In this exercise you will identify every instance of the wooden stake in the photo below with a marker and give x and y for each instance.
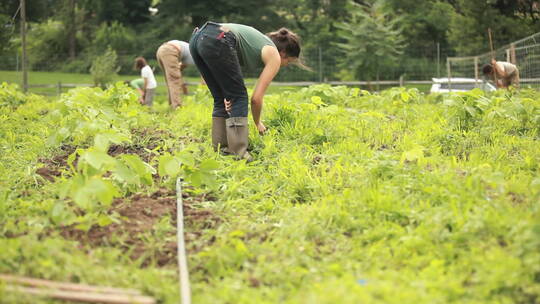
(64, 286)
(73, 292)
(492, 57)
(87, 297)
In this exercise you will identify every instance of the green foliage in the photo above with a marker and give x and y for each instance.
(120, 39)
(104, 68)
(46, 43)
(468, 28)
(10, 96)
(352, 196)
(424, 23)
(372, 39)
(183, 164)
(458, 27)
(5, 34)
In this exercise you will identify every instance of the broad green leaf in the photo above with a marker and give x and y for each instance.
(169, 166)
(209, 165)
(104, 220)
(412, 155)
(142, 169)
(186, 158)
(124, 174)
(196, 178)
(97, 159)
(102, 189)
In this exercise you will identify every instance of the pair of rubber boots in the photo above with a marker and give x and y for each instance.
(230, 135)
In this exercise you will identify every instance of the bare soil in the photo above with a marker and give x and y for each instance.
(137, 233)
(139, 215)
(54, 166)
(145, 148)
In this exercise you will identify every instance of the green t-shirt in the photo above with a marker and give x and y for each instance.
(137, 83)
(250, 43)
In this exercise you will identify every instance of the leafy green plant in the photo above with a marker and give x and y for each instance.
(104, 68)
(352, 196)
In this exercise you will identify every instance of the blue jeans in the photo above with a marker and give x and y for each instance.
(214, 53)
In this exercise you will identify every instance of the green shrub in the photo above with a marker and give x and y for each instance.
(104, 68)
(120, 39)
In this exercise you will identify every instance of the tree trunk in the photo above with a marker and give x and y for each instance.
(72, 30)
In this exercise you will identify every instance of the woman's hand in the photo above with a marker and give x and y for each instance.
(261, 128)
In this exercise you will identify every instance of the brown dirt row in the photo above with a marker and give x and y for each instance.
(139, 214)
(136, 233)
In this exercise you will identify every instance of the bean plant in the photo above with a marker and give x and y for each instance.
(352, 196)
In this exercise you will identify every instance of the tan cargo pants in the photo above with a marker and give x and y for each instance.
(167, 55)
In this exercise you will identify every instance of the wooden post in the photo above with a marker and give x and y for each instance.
(23, 41)
(401, 83)
(493, 57)
(320, 66)
(449, 74)
(513, 59)
(59, 88)
(72, 30)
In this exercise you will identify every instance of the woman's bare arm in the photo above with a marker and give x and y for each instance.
(272, 62)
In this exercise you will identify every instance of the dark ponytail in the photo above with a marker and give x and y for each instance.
(286, 41)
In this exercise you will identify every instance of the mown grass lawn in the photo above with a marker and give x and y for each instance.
(53, 78)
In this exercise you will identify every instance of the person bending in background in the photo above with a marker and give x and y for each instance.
(173, 57)
(220, 51)
(138, 85)
(150, 83)
(504, 72)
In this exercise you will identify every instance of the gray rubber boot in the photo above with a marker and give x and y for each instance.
(237, 137)
(219, 134)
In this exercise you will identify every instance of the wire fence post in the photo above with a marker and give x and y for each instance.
(320, 66)
(449, 76)
(523, 52)
(476, 68)
(59, 88)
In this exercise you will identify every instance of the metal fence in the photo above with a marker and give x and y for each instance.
(427, 62)
(524, 53)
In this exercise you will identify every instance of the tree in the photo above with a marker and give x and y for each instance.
(425, 24)
(468, 27)
(314, 21)
(372, 39)
(127, 12)
(36, 10)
